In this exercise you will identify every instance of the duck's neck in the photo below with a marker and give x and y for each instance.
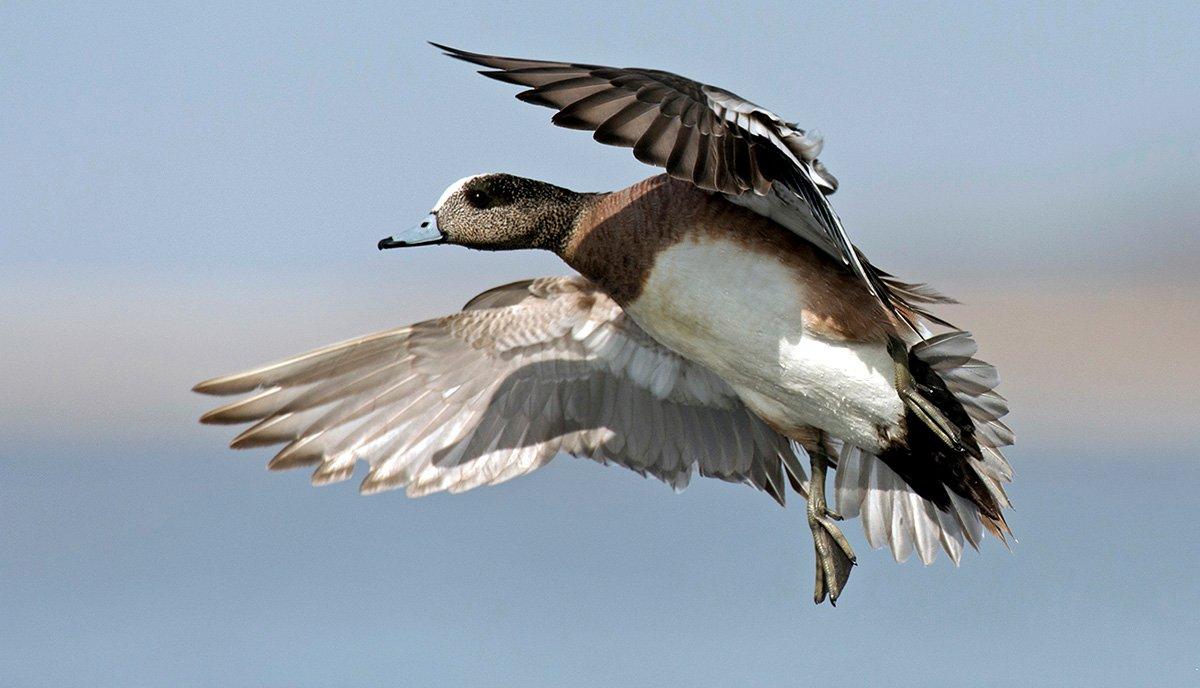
(560, 221)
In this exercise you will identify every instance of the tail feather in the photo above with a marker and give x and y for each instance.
(973, 383)
(932, 494)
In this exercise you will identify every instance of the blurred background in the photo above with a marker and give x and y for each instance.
(188, 191)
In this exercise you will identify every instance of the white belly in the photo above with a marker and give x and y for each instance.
(739, 314)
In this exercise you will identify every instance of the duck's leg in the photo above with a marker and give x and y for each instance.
(834, 557)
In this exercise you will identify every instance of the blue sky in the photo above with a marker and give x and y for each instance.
(188, 191)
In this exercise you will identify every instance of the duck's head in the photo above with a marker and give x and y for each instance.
(496, 212)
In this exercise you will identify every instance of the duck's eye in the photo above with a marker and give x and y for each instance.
(477, 198)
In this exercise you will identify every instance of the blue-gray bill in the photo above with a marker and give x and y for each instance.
(423, 234)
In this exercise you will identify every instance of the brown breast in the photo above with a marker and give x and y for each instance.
(616, 241)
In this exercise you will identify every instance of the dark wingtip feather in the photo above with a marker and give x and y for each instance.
(500, 75)
(452, 52)
(494, 61)
(464, 55)
(534, 97)
(569, 120)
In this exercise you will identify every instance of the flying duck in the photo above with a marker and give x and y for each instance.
(721, 321)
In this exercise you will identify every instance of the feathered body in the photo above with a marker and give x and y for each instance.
(794, 333)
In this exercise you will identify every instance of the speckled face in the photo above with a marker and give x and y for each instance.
(500, 212)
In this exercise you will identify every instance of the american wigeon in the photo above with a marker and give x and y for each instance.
(722, 318)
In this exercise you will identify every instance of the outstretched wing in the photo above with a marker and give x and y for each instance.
(702, 134)
(495, 391)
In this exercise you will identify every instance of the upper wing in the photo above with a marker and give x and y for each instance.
(701, 134)
(495, 391)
